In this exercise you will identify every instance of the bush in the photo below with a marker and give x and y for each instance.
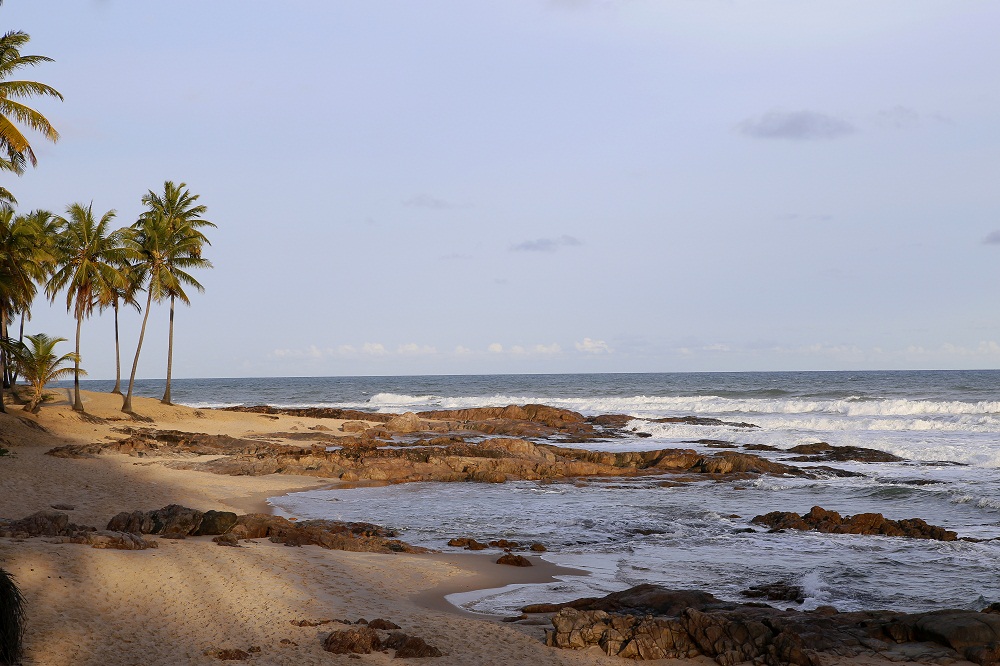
(11, 620)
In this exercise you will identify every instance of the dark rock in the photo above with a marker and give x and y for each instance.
(697, 420)
(215, 522)
(356, 640)
(383, 624)
(410, 647)
(538, 548)
(504, 544)
(745, 633)
(823, 452)
(467, 543)
(63, 507)
(514, 560)
(821, 520)
(780, 591)
(228, 654)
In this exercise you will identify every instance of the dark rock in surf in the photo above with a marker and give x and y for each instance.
(823, 452)
(821, 520)
(513, 560)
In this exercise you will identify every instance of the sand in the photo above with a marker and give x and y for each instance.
(174, 604)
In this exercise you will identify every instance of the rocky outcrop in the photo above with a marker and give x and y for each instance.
(823, 452)
(510, 559)
(56, 525)
(443, 458)
(682, 626)
(365, 639)
(178, 522)
(820, 520)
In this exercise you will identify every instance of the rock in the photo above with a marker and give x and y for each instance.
(514, 560)
(744, 633)
(227, 654)
(42, 523)
(356, 640)
(410, 646)
(117, 540)
(174, 521)
(380, 623)
(697, 420)
(780, 591)
(354, 426)
(538, 548)
(822, 520)
(227, 540)
(467, 543)
(504, 544)
(823, 452)
(405, 423)
(63, 507)
(215, 522)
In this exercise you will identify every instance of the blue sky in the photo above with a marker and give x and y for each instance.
(541, 185)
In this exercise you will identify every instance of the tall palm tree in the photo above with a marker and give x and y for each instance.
(178, 208)
(113, 296)
(89, 257)
(163, 255)
(15, 146)
(39, 364)
(22, 265)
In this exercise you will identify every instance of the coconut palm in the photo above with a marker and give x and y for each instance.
(11, 620)
(163, 255)
(38, 363)
(23, 257)
(113, 297)
(89, 257)
(13, 112)
(178, 208)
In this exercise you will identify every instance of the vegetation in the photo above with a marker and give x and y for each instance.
(11, 620)
(98, 268)
(15, 148)
(39, 364)
(89, 261)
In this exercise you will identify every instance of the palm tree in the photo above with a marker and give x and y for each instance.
(22, 264)
(13, 143)
(89, 257)
(163, 255)
(39, 364)
(12, 620)
(112, 296)
(178, 208)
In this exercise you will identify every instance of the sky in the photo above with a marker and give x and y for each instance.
(535, 186)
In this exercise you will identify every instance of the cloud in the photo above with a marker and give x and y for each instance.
(546, 244)
(589, 346)
(795, 126)
(373, 349)
(547, 350)
(495, 348)
(992, 238)
(462, 351)
(898, 117)
(412, 349)
(428, 201)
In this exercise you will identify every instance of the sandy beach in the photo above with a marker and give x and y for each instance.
(173, 604)
(188, 599)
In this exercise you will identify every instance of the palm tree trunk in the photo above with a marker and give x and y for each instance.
(3, 361)
(20, 338)
(3, 354)
(118, 356)
(127, 403)
(170, 355)
(77, 401)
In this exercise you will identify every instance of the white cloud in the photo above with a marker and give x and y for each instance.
(373, 349)
(590, 346)
(495, 348)
(547, 350)
(413, 348)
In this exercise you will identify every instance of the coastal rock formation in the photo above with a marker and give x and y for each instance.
(364, 639)
(510, 559)
(176, 521)
(443, 458)
(680, 625)
(821, 520)
(823, 452)
(57, 526)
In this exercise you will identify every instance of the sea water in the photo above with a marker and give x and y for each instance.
(698, 535)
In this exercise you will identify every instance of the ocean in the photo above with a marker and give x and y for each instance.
(946, 424)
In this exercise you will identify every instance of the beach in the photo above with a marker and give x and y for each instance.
(188, 599)
(171, 604)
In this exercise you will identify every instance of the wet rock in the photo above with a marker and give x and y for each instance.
(780, 591)
(822, 520)
(356, 640)
(467, 543)
(746, 633)
(823, 452)
(538, 548)
(700, 421)
(513, 560)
